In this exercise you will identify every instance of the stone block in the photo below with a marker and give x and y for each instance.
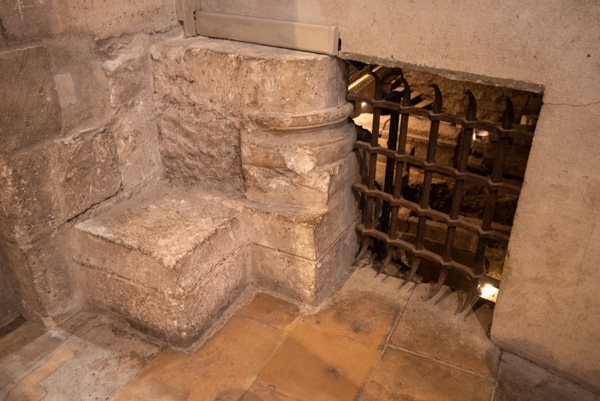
(112, 18)
(298, 151)
(201, 149)
(304, 233)
(309, 281)
(169, 260)
(46, 186)
(127, 65)
(311, 190)
(42, 276)
(27, 20)
(30, 109)
(80, 82)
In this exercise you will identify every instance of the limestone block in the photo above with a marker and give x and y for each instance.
(112, 18)
(86, 171)
(200, 149)
(26, 20)
(309, 281)
(45, 187)
(304, 233)
(171, 257)
(30, 109)
(127, 66)
(311, 190)
(42, 276)
(81, 85)
(299, 151)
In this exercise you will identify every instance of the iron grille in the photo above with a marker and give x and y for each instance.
(385, 228)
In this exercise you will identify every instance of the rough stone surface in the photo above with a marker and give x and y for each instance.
(521, 380)
(109, 355)
(314, 189)
(46, 186)
(434, 328)
(192, 250)
(8, 308)
(310, 281)
(127, 65)
(43, 277)
(88, 106)
(30, 109)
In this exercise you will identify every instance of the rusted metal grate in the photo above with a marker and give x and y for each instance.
(384, 227)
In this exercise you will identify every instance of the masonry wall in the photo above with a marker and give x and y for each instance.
(77, 132)
(548, 305)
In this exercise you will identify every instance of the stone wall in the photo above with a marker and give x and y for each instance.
(77, 129)
(548, 304)
(269, 125)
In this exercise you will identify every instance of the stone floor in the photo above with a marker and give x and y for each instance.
(373, 341)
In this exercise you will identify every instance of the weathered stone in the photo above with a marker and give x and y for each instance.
(9, 311)
(304, 233)
(30, 109)
(201, 149)
(43, 278)
(169, 260)
(309, 281)
(521, 380)
(310, 190)
(112, 18)
(434, 329)
(27, 20)
(46, 186)
(127, 65)
(88, 106)
(300, 151)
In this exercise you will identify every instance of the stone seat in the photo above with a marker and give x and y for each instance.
(168, 260)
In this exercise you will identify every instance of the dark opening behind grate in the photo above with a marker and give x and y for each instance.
(440, 179)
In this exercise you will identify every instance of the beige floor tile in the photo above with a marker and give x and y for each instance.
(521, 380)
(328, 355)
(92, 364)
(434, 328)
(223, 369)
(271, 311)
(261, 393)
(22, 348)
(403, 376)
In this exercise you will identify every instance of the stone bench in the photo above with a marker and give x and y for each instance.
(168, 260)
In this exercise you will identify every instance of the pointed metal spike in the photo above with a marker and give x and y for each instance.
(509, 114)
(470, 295)
(472, 107)
(413, 270)
(406, 93)
(363, 250)
(437, 101)
(386, 262)
(442, 279)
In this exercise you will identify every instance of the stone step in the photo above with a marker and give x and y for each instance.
(169, 260)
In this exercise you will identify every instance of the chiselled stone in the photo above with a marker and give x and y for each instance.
(30, 109)
(310, 281)
(311, 190)
(168, 260)
(127, 65)
(42, 275)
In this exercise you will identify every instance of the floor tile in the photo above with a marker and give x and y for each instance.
(261, 393)
(93, 364)
(436, 329)
(521, 380)
(22, 348)
(328, 355)
(223, 369)
(271, 311)
(404, 376)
